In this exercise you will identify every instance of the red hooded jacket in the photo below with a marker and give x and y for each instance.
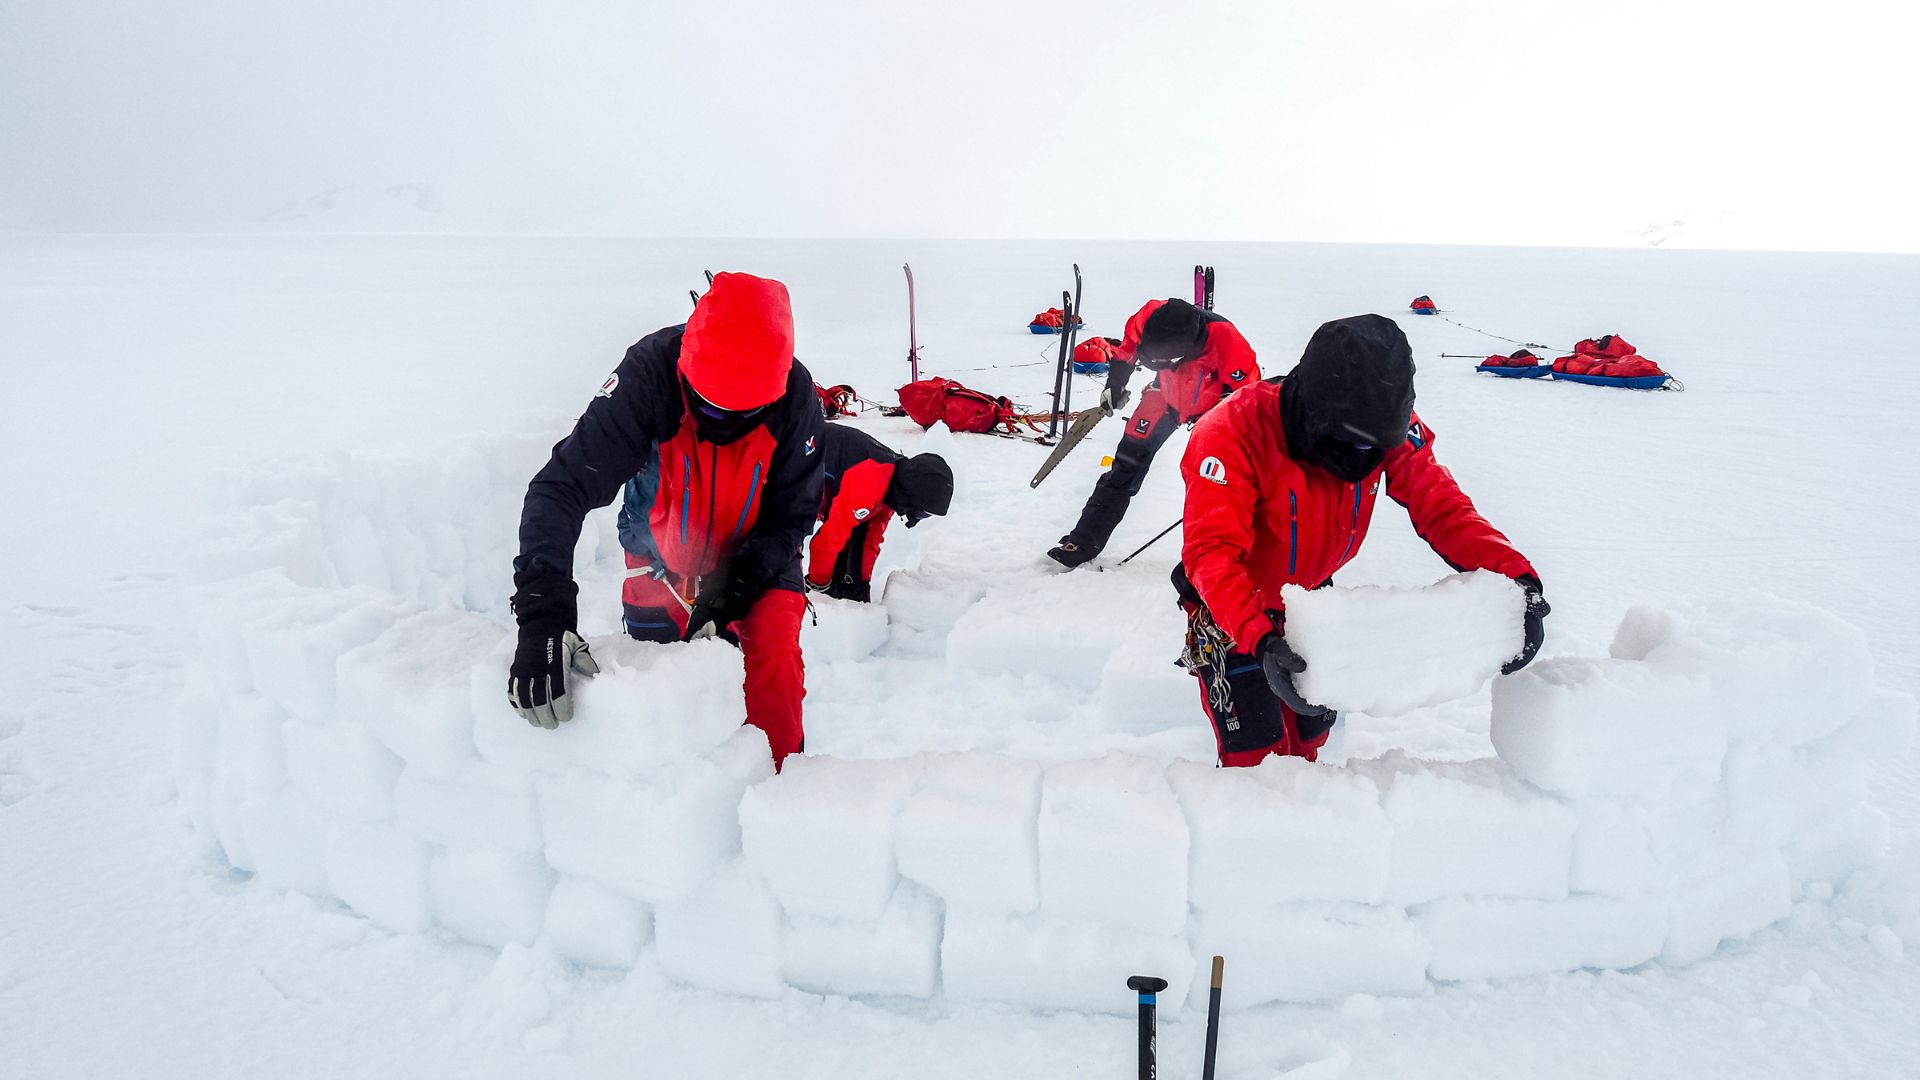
(1257, 519)
(1197, 383)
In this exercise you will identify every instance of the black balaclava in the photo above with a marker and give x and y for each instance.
(922, 486)
(1350, 398)
(1175, 331)
(717, 425)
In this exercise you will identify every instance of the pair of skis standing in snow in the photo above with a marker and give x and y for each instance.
(720, 431)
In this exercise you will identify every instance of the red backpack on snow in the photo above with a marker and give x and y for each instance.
(937, 400)
(1610, 347)
(837, 401)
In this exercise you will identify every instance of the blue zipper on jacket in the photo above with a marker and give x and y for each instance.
(686, 493)
(1293, 531)
(752, 490)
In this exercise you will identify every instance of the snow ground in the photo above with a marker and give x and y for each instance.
(121, 934)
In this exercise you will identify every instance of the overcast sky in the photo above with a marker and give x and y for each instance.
(1504, 121)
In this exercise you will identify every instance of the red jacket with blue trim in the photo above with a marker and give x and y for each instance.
(746, 506)
(1197, 383)
(1257, 519)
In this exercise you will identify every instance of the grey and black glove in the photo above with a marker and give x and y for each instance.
(549, 650)
(1533, 621)
(1279, 663)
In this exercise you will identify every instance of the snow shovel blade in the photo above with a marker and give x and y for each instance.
(1075, 432)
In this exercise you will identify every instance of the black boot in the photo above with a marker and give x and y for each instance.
(1072, 553)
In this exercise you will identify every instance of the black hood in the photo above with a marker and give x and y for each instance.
(1175, 331)
(1350, 398)
(922, 486)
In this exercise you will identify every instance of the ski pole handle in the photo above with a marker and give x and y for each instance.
(1148, 987)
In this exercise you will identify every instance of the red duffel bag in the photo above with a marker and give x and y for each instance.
(937, 400)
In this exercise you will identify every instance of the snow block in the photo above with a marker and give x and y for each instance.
(1495, 939)
(1113, 845)
(489, 896)
(478, 805)
(1833, 850)
(821, 834)
(1581, 727)
(652, 839)
(1613, 850)
(380, 872)
(280, 538)
(1338, 631)
(1462, 830)
(724, 935)
(594, 926)
(650, 705)
(1729, 900)
(1043, 963)
(969, 832)
(845, 630)
(1142, 690)
(1779, 671)
(293, 649)
(249, 753)
(287, 837)
(410, 687)
(1883, 729)
(346, 772)
(898, 954)
(224, 800)
(984, 640)
(1312, 953)
(1286, 830)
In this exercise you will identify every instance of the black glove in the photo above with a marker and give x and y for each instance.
(1279, 663)
(723, 599)
(1534, 620)
(844, 587)
(544, 601)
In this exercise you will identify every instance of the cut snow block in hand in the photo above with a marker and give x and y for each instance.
(478, 805)
(821, 833)
(652, 838)
(1070, 963)
(1285, 830)
(1730, 898)
(1313, 953)
(1581, 727)
(490, 897)
(1113, 845)
(724, 935)
(592, 925)
(968, 833)
(1466, 830)
(1442, 642)
(1779, 671)
(1495, 939)
(897, 954)
(649, 705)
(411, 687)
(380, 872)
(842, 630)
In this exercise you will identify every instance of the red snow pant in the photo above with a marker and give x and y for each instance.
(1249, 719)
(769, 639)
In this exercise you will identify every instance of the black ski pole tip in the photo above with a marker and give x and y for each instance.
(1146, 984)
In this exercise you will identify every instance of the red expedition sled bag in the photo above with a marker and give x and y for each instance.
(937, 400)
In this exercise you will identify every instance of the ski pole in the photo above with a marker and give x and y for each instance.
(1151, 542)
(1147, 987)
(1461, 356)
(1213, 1019)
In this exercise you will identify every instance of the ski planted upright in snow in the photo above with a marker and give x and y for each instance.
(913, 328)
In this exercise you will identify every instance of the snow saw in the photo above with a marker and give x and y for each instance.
(1077, 431)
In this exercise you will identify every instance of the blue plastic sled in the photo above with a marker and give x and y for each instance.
(1533, 372)
(1637, 382)
(1425, 311)
(1089, 369)
(1041, 328)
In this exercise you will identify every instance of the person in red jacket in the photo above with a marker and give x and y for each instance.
(866, 484)
(1281, 483)
(1198, 358)
(714, 429)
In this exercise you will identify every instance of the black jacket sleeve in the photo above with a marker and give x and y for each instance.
(769, 555)
(610, 443)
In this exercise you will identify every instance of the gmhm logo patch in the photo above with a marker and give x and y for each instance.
(861, 515)
(607, 388)
(1212, 469)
